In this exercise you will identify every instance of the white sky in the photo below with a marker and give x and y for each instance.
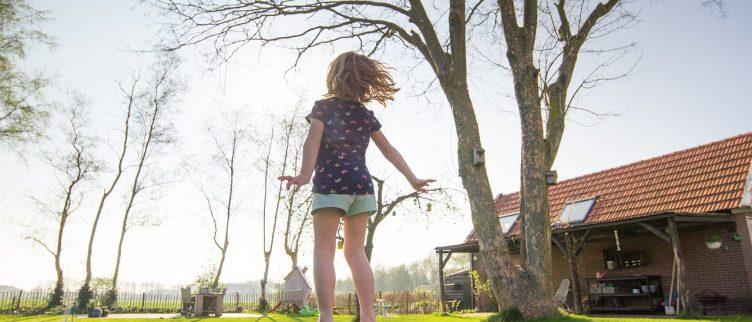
(690, 88)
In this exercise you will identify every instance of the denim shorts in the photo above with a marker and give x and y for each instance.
(349, 204)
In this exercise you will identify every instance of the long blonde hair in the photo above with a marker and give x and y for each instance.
(360, 78)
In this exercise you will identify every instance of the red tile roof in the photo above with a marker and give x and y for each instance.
(707, 178)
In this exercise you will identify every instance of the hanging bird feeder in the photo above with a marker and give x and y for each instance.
(429, 206)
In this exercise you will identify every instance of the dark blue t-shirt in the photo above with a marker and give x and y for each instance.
(341, 163)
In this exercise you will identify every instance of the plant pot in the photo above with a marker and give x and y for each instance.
(713, 244)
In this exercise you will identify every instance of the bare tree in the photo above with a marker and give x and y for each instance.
(534, 94)
(386, 206)
(23, 116)
(85, 292)
(373, 25)
(298, 218)
(160, 93)
(73, 166)
(228, 139)
(299, 200)
(269, 164)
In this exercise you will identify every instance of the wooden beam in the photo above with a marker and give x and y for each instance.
(442, 287)
(655, 231)
(446, 260)
(616, 223)
(558, 244)
(679, 257)
(716, 218)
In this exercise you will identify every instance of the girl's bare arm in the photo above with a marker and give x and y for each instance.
(391, 154)
(310, 153)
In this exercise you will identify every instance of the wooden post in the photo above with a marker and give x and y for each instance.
(681, 275)
(442, 291)
(143, 300)
(349, 302)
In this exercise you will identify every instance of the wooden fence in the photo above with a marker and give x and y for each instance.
(129, 301)
(391, 302)
(408, 302)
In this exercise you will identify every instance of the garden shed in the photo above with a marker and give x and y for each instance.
(459, 289)
(627, 236)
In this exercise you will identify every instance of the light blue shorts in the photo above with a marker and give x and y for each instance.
(349, 204)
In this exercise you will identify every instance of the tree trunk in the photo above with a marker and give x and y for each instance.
(574, 275)
(493, 249)
(215, 283)
(57, 294)
(535, 224)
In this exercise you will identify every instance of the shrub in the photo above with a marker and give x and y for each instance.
(110, 298)
(263, 305)
(84, 298)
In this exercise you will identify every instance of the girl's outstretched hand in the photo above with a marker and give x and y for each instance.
(298, 180)
(421, 184)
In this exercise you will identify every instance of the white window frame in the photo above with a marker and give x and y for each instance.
(511, 226)
(568, 220)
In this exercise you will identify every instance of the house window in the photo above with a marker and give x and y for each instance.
(576, 211)
(507, 222)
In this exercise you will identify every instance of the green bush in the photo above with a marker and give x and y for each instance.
(84, 298)
(110, 298)
(263, 306)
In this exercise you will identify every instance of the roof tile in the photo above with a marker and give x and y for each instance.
(705, 178)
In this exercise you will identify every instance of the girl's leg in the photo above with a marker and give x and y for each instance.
(325, 224)
(355, 254)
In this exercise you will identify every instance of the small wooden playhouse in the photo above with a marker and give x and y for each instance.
(297, 288)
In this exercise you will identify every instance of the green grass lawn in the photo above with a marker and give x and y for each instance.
(406, 318)
(267, 318)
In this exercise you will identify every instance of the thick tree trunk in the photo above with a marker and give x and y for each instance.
(536, 228)
(493, 248)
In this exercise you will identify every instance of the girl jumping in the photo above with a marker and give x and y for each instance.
(335, 148)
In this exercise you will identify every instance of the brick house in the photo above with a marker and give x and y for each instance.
(631, 225)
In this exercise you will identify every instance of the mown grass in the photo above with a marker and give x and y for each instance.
(266, 318)
(400, 318)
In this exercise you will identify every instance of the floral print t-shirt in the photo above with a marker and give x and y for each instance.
(341, 162)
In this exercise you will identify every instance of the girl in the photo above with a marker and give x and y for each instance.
(335, 149)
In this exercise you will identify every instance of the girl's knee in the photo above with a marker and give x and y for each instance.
(353, 253)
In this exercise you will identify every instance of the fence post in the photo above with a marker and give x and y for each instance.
(18, 303)
(143, 300)
(349, 298)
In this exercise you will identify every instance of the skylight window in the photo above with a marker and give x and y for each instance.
(576, 211)
(507, 222)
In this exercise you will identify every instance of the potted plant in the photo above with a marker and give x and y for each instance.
(714, 242)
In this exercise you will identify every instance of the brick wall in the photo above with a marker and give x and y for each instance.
(722, 270)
